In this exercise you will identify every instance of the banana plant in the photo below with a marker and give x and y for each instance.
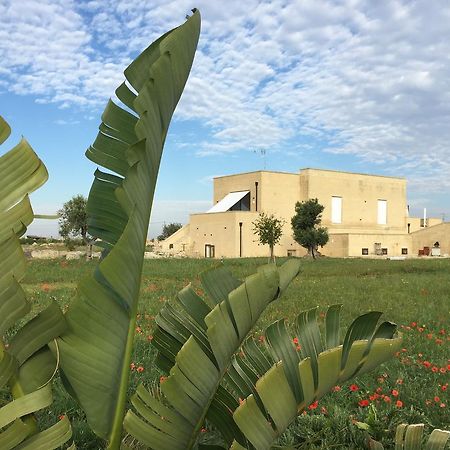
(96, 348)
(280, 380)
(410, 437)
(196, 341)
(27, 365)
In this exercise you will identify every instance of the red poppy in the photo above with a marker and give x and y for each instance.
(363, 403)
(354, 387)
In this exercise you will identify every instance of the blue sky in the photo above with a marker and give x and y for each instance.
(351, 85)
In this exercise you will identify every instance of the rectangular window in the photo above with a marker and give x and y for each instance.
(336, 209)
(209, 251)
(382, 212)
(404, 251)
(384, 251)
(365, 251)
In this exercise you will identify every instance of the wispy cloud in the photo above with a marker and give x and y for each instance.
(369, 79)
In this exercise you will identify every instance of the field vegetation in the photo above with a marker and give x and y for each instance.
(412, 387)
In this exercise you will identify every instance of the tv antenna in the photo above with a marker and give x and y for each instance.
(262, 152)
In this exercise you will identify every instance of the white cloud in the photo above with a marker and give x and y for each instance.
(370, 79)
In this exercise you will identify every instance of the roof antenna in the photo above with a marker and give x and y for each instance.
(262, 152)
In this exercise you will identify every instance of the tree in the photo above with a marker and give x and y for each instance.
(168, 230)
(305, 225)
(269, 230)
(73, 220)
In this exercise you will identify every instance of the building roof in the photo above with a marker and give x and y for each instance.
(311, 168)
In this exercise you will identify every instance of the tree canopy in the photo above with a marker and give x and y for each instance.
(168, 230)
(306, 225)
(73, 220)
(269, 230)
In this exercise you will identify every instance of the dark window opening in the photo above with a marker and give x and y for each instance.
(242, 205)
(365, 251)
(291, 252)
(384, 251)
(209, 251)
(170, 246)
(404, 251)
(409, 228)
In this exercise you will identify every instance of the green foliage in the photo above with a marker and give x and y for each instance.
(168, 230)
(97, 347)
(410, 437)
(73, 221)
(269, 230)
(26, 364)
(305, 225)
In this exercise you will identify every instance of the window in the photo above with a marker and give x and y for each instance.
(209, 251)
(336, 209)
(404, 251)
(384, 251)
(382, 212)
(365, 251)
(291, 252)
(170, 246)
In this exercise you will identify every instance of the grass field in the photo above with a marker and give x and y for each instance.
(412, 387)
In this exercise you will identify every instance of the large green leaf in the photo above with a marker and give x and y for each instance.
(198, 343)
(302, 372)
(96, 350)
(26, 363)
(409, 437)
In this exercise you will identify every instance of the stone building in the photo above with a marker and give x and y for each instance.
(366, 215)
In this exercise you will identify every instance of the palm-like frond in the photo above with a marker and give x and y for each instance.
(26, 363)
(96, 349)
(410, 437)
(281, 379)
(198, 341)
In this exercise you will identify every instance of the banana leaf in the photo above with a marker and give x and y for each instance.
(198, 339)
(26, 363)
(96, 349)
(283, 376)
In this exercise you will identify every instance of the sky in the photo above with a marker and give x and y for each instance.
(352, 85)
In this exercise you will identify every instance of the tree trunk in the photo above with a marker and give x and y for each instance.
(272, 258)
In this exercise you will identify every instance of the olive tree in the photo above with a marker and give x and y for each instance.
(306, 226)
(269, 230)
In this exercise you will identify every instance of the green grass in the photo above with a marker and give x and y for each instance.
(411, 291)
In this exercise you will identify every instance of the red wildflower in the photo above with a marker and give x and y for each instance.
(427, 364)
(140, 369)
(162, 379)
(295, 340)
(313, 405)
(438, 341)
(363, 403)
(434, 369)
(132, 366)
(420, 329)
(398, 403)
(414, 324)
(387, 399)
(62, 416)
(261, 338)
(379, 390)
(442, 370)
(442, 405)
(429, 336)
(437, 399)
(150, 337)
(354, 387)
(336, 388)
(444, 387)
(394, 393)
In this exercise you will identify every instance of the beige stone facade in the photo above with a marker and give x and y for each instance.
(366, 215)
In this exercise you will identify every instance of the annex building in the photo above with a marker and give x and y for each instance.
(366, 215)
